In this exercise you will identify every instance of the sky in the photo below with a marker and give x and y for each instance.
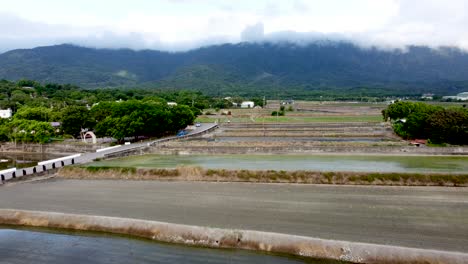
(178, 25)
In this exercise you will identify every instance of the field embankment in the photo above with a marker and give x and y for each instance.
(188, 173)
(235, 239)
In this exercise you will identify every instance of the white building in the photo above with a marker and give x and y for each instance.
(428, 96)
(460, 96)
(463, 96)
(5, 113)
(247, 104)
(171, 104)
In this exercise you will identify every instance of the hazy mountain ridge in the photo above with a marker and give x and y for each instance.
(247, 68)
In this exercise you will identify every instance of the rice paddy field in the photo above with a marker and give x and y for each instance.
(302, 111)
(353, 163)
(344, 127)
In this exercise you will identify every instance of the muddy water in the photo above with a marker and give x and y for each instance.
(22, 160)
(28, 247)
(357, 163)
(302, 139)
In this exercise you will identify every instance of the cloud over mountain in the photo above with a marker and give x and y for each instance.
(183, 25)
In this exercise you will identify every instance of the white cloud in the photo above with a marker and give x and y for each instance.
(184, 24)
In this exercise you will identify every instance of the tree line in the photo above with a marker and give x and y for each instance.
(37, 109)
(108, 119)
(440, 125)
(116, 113)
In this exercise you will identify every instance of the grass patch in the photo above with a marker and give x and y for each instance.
(291, 119)
(107, 168)
(190, 173)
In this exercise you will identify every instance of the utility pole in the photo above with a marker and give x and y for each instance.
(263, 117)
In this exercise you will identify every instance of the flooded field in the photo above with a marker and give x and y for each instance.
(27, 247)
(22, 160)
(356, 163)
(301, 139)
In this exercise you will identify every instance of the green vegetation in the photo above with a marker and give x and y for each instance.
(280, 112)
(136, 118)
(367, 163)
(313, 72)
(116, 113)
(267, 176)
(298, 119)
(113, 113)
(420, 120)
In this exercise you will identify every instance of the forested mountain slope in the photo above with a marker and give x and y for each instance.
(248, 68)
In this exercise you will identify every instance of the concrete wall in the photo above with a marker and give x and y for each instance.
(49, 148)
(42, 168)
(162, 149)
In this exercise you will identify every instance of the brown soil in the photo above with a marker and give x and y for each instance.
(187, 173)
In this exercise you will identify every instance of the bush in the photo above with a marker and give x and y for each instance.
(277, 113)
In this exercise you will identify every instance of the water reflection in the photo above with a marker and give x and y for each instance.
(302, 139)
(356, 163)
(22, 160)
(27, 247)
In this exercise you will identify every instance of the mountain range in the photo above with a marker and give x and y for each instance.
(250, 69)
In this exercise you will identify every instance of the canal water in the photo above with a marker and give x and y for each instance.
(356, 163)
(37, 247)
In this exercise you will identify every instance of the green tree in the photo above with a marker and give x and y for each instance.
(34, 113)
(258, 101)
(399, 110)
(181, 116)
(5, 132)
(102, 110)
(75, 118)
(449, 126)
(31, 131)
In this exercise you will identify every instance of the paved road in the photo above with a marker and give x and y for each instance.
(421, 217)
(88, 157)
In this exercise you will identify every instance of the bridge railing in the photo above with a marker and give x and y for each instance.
(41, 167)
(50, 165)
(141, 147)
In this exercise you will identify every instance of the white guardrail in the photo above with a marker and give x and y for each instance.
(109, 148)
(7, 174)
(7, 170)
(45, 162)
(10, 173)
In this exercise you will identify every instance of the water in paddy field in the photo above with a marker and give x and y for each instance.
(22, 160)
(355, 163)
(33, 247)
(303, 139)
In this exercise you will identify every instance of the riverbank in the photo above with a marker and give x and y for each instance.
(239, 239)
(39, 245)
(187, 173)
(301, 147)
(431, 218)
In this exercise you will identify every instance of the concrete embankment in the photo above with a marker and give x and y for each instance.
(241, 239)
(261, 176)
(295, 148)
(55, 148)
(433, 218)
